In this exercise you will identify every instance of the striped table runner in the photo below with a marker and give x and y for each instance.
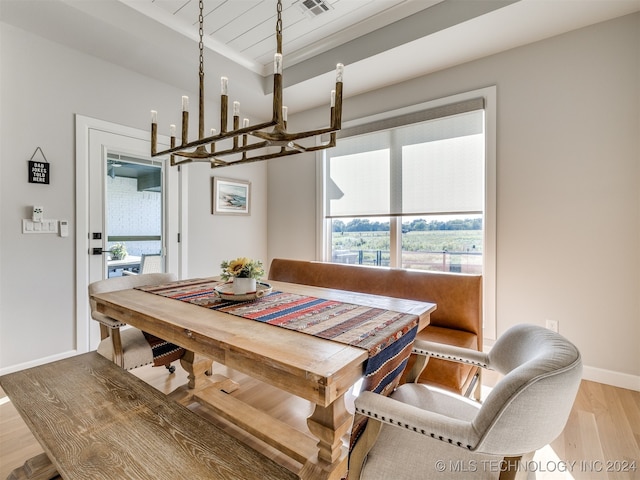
(386, 335)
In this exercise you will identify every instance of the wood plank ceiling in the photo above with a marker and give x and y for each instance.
(247, 27)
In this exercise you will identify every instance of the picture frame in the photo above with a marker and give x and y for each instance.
(230, 196)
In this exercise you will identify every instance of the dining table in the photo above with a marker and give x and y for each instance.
(320, 370)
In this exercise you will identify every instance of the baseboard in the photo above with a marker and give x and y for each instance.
(609, 377)
(38, 362)
(595, 374)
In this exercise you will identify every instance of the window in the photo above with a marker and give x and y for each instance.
(415, 189)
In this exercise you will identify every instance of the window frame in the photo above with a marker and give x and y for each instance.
(489, 94)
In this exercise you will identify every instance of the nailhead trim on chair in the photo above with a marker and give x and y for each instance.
(410, 427)
(449, 357)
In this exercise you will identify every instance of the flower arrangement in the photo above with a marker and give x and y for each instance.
(242, 267)
(118, 251)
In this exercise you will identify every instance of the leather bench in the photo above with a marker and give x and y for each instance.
(457, 320)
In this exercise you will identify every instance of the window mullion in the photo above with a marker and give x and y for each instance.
(395, 199)
(395, 242)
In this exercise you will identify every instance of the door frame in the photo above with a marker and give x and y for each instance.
(174, 191)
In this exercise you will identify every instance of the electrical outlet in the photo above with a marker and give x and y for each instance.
(552, 325)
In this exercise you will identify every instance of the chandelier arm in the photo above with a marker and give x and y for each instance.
(201, 153)
(240, 149)
(280, 137)
(207, 140)
(258, 158)
(315, 148)
(282, 153)
(175, 162)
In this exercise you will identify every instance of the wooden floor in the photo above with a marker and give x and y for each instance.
(601, 440)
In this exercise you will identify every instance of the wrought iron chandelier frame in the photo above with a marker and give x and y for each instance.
(279, 137)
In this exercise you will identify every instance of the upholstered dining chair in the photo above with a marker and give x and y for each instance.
(129, 347)
(421, 432)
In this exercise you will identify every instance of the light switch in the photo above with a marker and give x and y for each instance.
(43, 226)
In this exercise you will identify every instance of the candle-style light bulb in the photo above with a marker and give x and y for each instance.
(333, 98)
(285, 111)
(339, 72)
(277, 63)
(185, 103)
(154, 116)
(236, 109)
(245, 122)
(213, 131)
(172, 130)
(224, 85)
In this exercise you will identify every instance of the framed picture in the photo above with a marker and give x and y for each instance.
(230, 196)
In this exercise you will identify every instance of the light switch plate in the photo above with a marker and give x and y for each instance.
(43, 226)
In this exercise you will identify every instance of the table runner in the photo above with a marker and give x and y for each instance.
(386, 335)
(163, 352)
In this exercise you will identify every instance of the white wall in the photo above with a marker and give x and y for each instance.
(42, 86)
(214, 238)
(568, 183)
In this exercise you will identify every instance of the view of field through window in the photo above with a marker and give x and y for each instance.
(452, 243)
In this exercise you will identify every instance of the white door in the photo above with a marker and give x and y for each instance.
(98, 143)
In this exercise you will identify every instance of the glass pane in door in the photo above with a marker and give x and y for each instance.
(133, 216)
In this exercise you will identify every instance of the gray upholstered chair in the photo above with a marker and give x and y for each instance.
(421, 432)
(129, 347)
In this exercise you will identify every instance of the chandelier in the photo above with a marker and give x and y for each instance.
(268, 140)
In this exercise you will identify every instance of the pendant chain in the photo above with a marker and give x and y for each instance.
(279, 28)
(279, 20)
(201, 33)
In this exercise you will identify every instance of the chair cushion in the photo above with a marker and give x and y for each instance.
(393, 455)
(437, 400)
(163, 352)
(449, 375)
(136, 349)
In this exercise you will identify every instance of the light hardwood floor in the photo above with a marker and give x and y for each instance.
(602, 436)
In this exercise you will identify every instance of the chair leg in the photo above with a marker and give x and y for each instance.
(418, 366)
(362, 447)
(511, 467)
(116, 343)
(474, 390)
(477, 394)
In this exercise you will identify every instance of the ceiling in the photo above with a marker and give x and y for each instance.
(244, 30)
(381, 42)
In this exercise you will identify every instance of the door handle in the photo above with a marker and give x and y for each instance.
(99, 251)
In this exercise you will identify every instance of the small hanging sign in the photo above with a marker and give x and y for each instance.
(39, 171)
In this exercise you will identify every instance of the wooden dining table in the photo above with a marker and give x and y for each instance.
(316, 369)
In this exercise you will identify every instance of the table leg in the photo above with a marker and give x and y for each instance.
(329, 424)
(197, 366)
(36, 468)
